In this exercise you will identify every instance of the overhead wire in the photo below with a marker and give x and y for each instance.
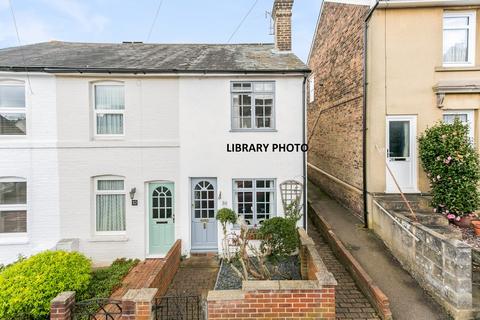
(242, 21)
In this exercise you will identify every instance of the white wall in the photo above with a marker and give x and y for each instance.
(34, 158)
(176, 128)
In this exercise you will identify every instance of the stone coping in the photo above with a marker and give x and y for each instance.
(140, 295)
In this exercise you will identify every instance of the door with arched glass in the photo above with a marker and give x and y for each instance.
(204, 211)
(161, 217)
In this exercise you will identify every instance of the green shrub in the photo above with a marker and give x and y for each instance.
(28, 286)
(452, 166)
(225, 216)
(106, 280)
(279, 237)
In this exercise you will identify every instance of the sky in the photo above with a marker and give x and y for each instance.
(179, 21)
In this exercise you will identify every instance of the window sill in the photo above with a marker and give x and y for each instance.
(106, 238)
(14, 240)
(457, 68)
(253, 130)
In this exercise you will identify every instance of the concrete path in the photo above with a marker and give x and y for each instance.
(407, 299)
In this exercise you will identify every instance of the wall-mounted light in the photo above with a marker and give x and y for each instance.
(132, 193)
(220, 195)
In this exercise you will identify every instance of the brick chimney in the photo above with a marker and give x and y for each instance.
(282, 24)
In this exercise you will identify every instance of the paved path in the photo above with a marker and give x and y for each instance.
(408, 301)
(350, 301)
(196, 276)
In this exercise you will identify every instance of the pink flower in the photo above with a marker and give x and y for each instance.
(438, 177)
(449, 158)
(450, 216)
(434, 209)
(458, 218)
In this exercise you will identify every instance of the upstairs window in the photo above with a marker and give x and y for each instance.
(253, 105)
(459, 38)
(13, 206)
(110, 205)
(12, 109)
(109, 109)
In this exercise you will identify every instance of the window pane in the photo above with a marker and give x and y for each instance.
(110, 184)
(399, 134)
(455, 22)
(13, 124)
(450, 118)
(110, 212)
(13, 192)
(12, 96)
(13, 221)
(109, 97)
(455, 45)
(110, 124)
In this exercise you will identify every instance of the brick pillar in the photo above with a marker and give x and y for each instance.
(137, 304)
(62, 305)
(282, 19)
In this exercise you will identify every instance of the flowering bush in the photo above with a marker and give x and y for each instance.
(452, 166)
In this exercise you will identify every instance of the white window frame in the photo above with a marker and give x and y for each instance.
(100, 136)
(23, 110)
(253, 115)
(470, 120)
(471, 37)
(15, 207)
(107, 192)
(311, 88)
(254, 190)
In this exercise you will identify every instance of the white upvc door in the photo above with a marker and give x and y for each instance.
(401, 145)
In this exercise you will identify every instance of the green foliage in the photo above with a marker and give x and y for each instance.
(225, 216)
(452, 166)
(294, 210)
(28, 286)
(106, 280)
(279, 237)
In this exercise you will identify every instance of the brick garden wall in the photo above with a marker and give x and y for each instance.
(164, 277)
(311, 298)
(335, 116)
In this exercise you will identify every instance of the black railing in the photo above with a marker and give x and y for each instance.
(97, 309)
(178, 308)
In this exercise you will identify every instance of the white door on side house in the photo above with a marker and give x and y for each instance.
(401, 142)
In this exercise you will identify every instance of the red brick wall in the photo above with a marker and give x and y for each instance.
(62, 305)
(335, 116)
(164, 277)
(277, 304)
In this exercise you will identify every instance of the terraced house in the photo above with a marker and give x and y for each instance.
(119, 149)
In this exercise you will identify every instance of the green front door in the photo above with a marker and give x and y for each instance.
(161, 217)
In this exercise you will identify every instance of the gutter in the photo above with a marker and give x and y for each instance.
(304, 154)
(144, 71)
(364, 116)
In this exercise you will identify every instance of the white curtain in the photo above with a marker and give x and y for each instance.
(406, 137)
(109, 97)
(111, 212)
(109, 123)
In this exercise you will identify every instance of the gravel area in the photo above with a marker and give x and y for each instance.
(287, 269)
(468, 236)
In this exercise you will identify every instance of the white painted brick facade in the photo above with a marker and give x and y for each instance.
(176, 128)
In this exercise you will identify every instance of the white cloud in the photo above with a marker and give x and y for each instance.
(81, 14)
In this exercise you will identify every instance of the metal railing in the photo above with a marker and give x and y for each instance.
(97, 309)
(181, 307)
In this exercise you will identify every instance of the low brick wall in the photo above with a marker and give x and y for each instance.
(441, 265)
(162, 279)
(311, 298)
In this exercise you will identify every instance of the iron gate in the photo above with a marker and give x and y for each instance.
(97, 309)
(178, 308)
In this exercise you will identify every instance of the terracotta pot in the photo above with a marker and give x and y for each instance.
(464, 222)
(476, 227)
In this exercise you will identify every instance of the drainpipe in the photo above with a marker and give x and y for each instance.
(364, 118)
(304, 154)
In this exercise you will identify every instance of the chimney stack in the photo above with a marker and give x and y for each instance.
(282, 24)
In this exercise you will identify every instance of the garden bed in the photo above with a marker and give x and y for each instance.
(286, 269)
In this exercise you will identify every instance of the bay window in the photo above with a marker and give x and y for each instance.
(109, 109)
(12, 109)
(459, 38)
(253, 105)
(110, 205)
(13, 206)
(254, 199)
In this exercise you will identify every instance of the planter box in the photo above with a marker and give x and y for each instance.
(310, 298)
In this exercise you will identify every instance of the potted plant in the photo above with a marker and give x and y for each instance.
(226, 216)
(452, 166)
(476, 227)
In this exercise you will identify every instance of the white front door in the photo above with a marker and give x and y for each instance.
(401, 154)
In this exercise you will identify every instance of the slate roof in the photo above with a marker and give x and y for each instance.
(57, 56)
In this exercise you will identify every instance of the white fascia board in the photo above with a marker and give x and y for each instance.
(426, 3)
(369, 3)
